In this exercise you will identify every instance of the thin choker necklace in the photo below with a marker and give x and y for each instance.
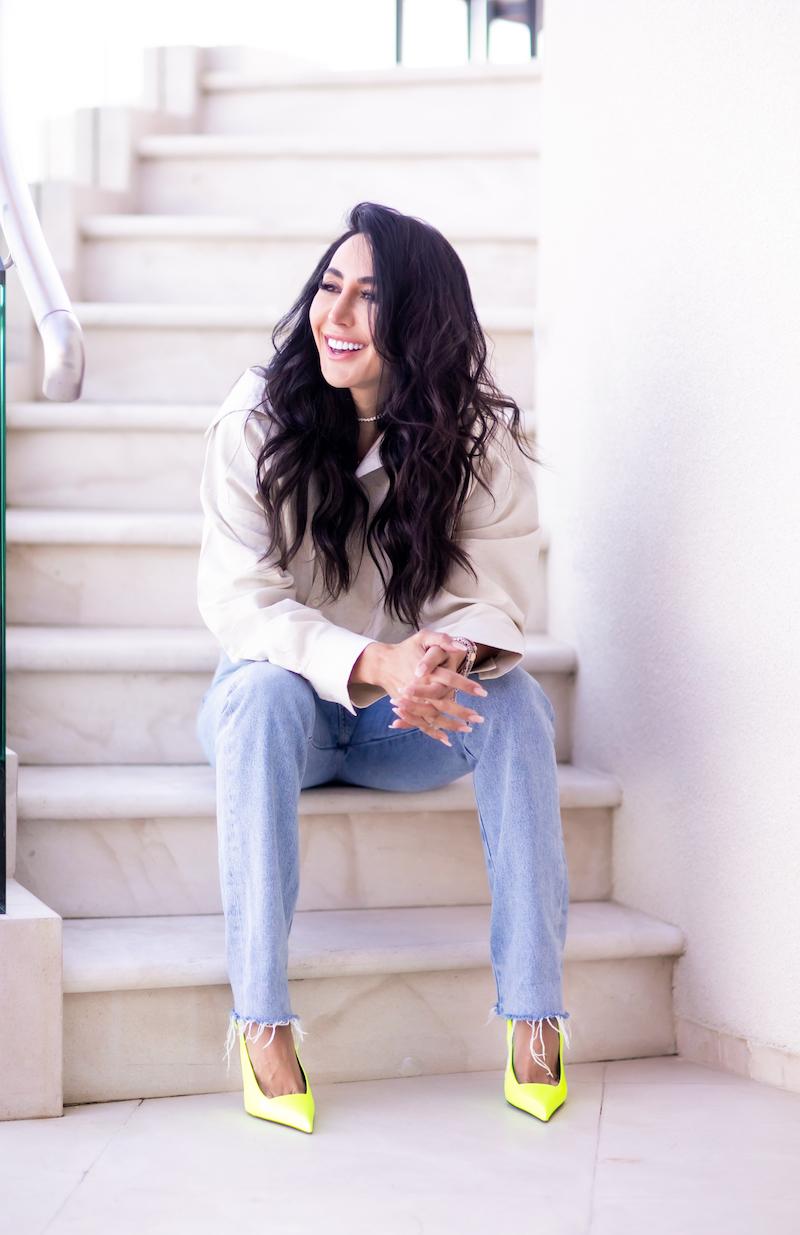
(363, 418)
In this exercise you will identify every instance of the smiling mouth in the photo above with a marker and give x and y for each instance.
(337, 353)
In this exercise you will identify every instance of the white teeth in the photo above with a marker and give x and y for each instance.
(344, 347)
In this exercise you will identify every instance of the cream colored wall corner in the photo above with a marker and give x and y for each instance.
(668, 379)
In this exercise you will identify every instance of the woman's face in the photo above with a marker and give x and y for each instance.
(339, 314)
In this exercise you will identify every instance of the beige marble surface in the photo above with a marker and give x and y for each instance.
(650, 1145)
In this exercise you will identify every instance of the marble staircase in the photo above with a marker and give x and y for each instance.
(108, 658)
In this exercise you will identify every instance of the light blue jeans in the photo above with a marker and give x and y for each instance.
(268, 735)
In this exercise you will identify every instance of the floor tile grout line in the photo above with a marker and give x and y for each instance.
(596, 1151)
(138, 1102)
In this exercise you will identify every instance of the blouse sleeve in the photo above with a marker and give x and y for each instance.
(251, 607)
(500, 532)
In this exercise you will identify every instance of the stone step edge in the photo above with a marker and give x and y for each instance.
(253, 146)
(110, 954)
(235, 227)
(179, 649)
(214, 81)
(110, 417)
(121, 417)
(37, 525)
(62, 792)
(136, 315)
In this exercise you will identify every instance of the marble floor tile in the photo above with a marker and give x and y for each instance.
(711, 1158)
(655, 1146)
(42, 1161)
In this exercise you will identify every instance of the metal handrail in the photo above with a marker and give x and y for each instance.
(64, 363)
(60, 331)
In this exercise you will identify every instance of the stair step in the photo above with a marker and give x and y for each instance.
(121, 840)
(73, 567)
(48, 649)
(401, 77)
(455, 184)
(327, 147)
(220, 74)
(107, 417)
(149, 528)
(167, 258)
(189, 352)
(221, 227)
(125, 954)
(67, 461)
(125, 791)
(84, 458)
(131, 695)
(386, 992)
(113, 527)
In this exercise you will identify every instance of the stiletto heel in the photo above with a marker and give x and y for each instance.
(537, 1099)
(296, 1110)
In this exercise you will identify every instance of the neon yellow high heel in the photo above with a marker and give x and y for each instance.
(296, 1110)
(537, 1099)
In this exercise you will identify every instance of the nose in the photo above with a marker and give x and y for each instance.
(339, 311)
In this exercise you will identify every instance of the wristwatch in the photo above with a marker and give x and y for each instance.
(465, 668)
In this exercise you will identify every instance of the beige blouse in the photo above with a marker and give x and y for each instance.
(259, 612)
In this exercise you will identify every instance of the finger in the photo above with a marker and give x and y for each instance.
(438, 638)
(447, 706)
(434, 720)
(432, 732)
(415, 721)
(431, 659)
(457, 681)
(433, 689)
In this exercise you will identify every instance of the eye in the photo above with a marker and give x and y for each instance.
(331, 287)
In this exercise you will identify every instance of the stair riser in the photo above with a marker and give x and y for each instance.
(85, 469)
(103, 585)
(198, 365)
(138, 867)
(147, 717)
(125, 585)
(268, 271)
(458, 112)
(143, 470)
(158, 1043)
(451, 193)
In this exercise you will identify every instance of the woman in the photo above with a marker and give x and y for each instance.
(377, 425)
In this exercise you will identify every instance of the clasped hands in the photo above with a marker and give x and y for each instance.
(428, 702)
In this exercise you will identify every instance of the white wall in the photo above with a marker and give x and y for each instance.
(669, 413)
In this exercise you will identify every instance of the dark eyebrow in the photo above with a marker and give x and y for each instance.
(366, 279)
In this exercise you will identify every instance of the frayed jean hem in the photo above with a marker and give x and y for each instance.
(236, 1022)
(556, 1020)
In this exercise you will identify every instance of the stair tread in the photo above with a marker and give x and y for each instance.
(212, 315)
(125, 791)
(102, 954)
(110, 417)
(227, 80)
(69, 526)
(326, 146)
(247, 227)
(55, 525)
(121, 417)
(179, 649)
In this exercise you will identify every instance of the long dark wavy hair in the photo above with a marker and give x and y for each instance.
(441, 410)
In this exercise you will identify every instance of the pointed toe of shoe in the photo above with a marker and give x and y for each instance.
(294, 1110)
(538, 1100)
